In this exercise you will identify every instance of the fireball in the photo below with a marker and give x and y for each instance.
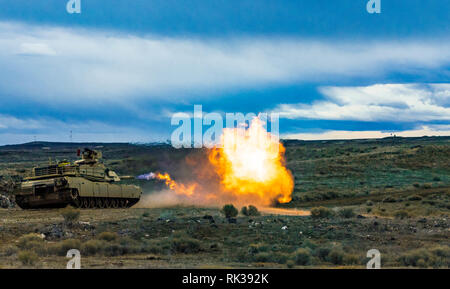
(250, 163)
(250, 166)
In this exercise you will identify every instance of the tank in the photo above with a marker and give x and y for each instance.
(85, 183)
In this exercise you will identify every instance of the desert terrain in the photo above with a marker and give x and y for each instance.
(389, 194)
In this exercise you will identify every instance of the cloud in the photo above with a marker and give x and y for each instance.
(35, 49)
(443, 130)
(78, 65)
(11, 122)
(380, 102)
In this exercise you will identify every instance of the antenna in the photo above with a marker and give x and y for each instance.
(70, 135)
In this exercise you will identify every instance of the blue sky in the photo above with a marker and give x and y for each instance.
(120, 69)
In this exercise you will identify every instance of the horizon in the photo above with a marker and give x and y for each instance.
(168, 142)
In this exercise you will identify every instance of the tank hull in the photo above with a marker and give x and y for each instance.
(77, 191)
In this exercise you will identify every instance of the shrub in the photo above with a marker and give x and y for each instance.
(253, 211)
(414, 198)
(347, 213)
(229, 211)
(130, 246)
(336, 256)
(437, 179)
(29, 241)
(369, 203)
(416, 258)
(302, 256)
(62, 247)
(93, 247)
(262, 257)
(321, 212)
(9, 251)
(416, 185)
(427, 186)
(250, 211)
(68, 244)
(107, 236)
(27, 257)
(70, 215)
(435, 257)
(401, 214)
(185, 245)
(271, 257)
(442, 256)
(155, 247)
(351, 259)
(309, 244)
(322, 253)
(257, 248)
(113, 249)
(290, 263)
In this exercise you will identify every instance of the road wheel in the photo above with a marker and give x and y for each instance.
(85, 203)
(76, 199)
(107, 203)
(114, 203)
(92, 202)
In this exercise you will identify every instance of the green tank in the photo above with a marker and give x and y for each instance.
(85, 183)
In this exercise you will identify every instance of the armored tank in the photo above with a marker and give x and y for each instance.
(85, 183)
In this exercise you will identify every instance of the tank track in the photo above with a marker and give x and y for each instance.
(103, 203)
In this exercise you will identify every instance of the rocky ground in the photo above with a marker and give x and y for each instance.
(392, 195)
(199, 238)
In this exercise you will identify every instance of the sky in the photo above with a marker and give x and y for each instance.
(120, 69)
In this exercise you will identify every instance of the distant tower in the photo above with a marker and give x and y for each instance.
(71, 136)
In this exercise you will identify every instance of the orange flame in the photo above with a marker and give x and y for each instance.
(250, 164)
(180, 189)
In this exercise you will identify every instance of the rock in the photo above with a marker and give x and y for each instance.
(210, 218)
(423, 220)
(232, 220)
(6, 202)
(54, 231)
(284, 228)
(86, 226)
(124, 232)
